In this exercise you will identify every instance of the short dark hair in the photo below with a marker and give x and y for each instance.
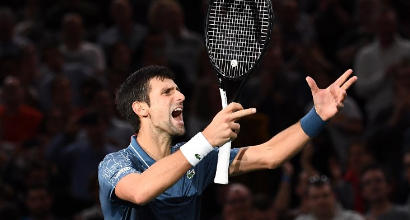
(375, 167)
(136, 88)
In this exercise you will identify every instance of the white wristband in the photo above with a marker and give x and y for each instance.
(196, 149)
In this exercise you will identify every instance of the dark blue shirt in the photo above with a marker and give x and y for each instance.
(180, 201)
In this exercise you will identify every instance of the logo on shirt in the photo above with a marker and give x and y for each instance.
(198, 156)
(190, 173)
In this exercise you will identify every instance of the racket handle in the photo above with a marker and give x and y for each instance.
(221, 175)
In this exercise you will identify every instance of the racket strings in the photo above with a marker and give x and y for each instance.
(237, 33)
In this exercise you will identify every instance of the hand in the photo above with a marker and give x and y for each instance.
(224, 127)
(328, 101)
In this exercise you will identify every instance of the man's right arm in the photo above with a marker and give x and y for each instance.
(140, 188)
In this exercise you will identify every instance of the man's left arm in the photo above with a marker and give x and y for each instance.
(288, 142)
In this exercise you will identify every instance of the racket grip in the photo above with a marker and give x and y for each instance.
(221, 175)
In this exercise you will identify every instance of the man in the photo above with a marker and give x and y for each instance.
(80, 158)
(77, 51)
(376, 190)
(374, 63)
(39, 203)
(124, 29)
(323, 202)
(238, 203)
(152, 180)
(19, 122)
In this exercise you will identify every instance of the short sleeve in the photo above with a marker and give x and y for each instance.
(208, 165)
(110, 171)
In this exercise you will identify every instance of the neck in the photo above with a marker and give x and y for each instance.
(156, 145)
(327, 216)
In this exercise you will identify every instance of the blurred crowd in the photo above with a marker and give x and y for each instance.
(62, 61)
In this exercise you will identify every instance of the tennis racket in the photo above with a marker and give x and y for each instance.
(237, 33)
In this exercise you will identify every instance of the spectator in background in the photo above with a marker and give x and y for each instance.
(51, 66)
(331, 20)
(124, 30)
(31, 24)
(183, 47)
(400, 117)
(297, 27)
(361, 34)
(10, 43)
(93, 212)
(120, 64)
(39, 202)
(358, 158)
(347, 126)
(376, 191)
(263, 208)
(62, 97)
(373, 63)
(271, 87)
(238, 203)
(19, 122)
(118, 131)
(30, 75)
(323, 202)
(87, 10)
(79, 157)
(77, 51)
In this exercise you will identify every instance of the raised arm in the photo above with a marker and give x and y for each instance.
(285, 144)
(140, 188)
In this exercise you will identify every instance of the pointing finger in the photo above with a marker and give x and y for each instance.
(242, 113)
(349, 82)
(343, 77)
(312, 84)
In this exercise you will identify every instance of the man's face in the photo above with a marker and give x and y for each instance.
(375, 187)
(166, 107)
(238, 203)
(322, 200)
(38, 202)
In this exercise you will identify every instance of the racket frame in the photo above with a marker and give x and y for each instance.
(222, 168)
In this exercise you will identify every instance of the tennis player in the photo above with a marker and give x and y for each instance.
(150, 179)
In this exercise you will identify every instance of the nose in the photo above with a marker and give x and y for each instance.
(180, 96)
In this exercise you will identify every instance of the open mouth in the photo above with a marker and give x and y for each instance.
(177, 114)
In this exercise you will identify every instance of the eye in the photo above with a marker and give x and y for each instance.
(167, 91)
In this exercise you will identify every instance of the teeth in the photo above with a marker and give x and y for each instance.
(177, 111)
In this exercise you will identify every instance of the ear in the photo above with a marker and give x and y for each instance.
(140, 108)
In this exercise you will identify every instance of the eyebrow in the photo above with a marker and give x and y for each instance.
(165, 89)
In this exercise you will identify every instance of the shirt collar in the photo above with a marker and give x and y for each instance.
(140, 153)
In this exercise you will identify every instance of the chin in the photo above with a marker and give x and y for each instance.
(179, 132)
(182, 132)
